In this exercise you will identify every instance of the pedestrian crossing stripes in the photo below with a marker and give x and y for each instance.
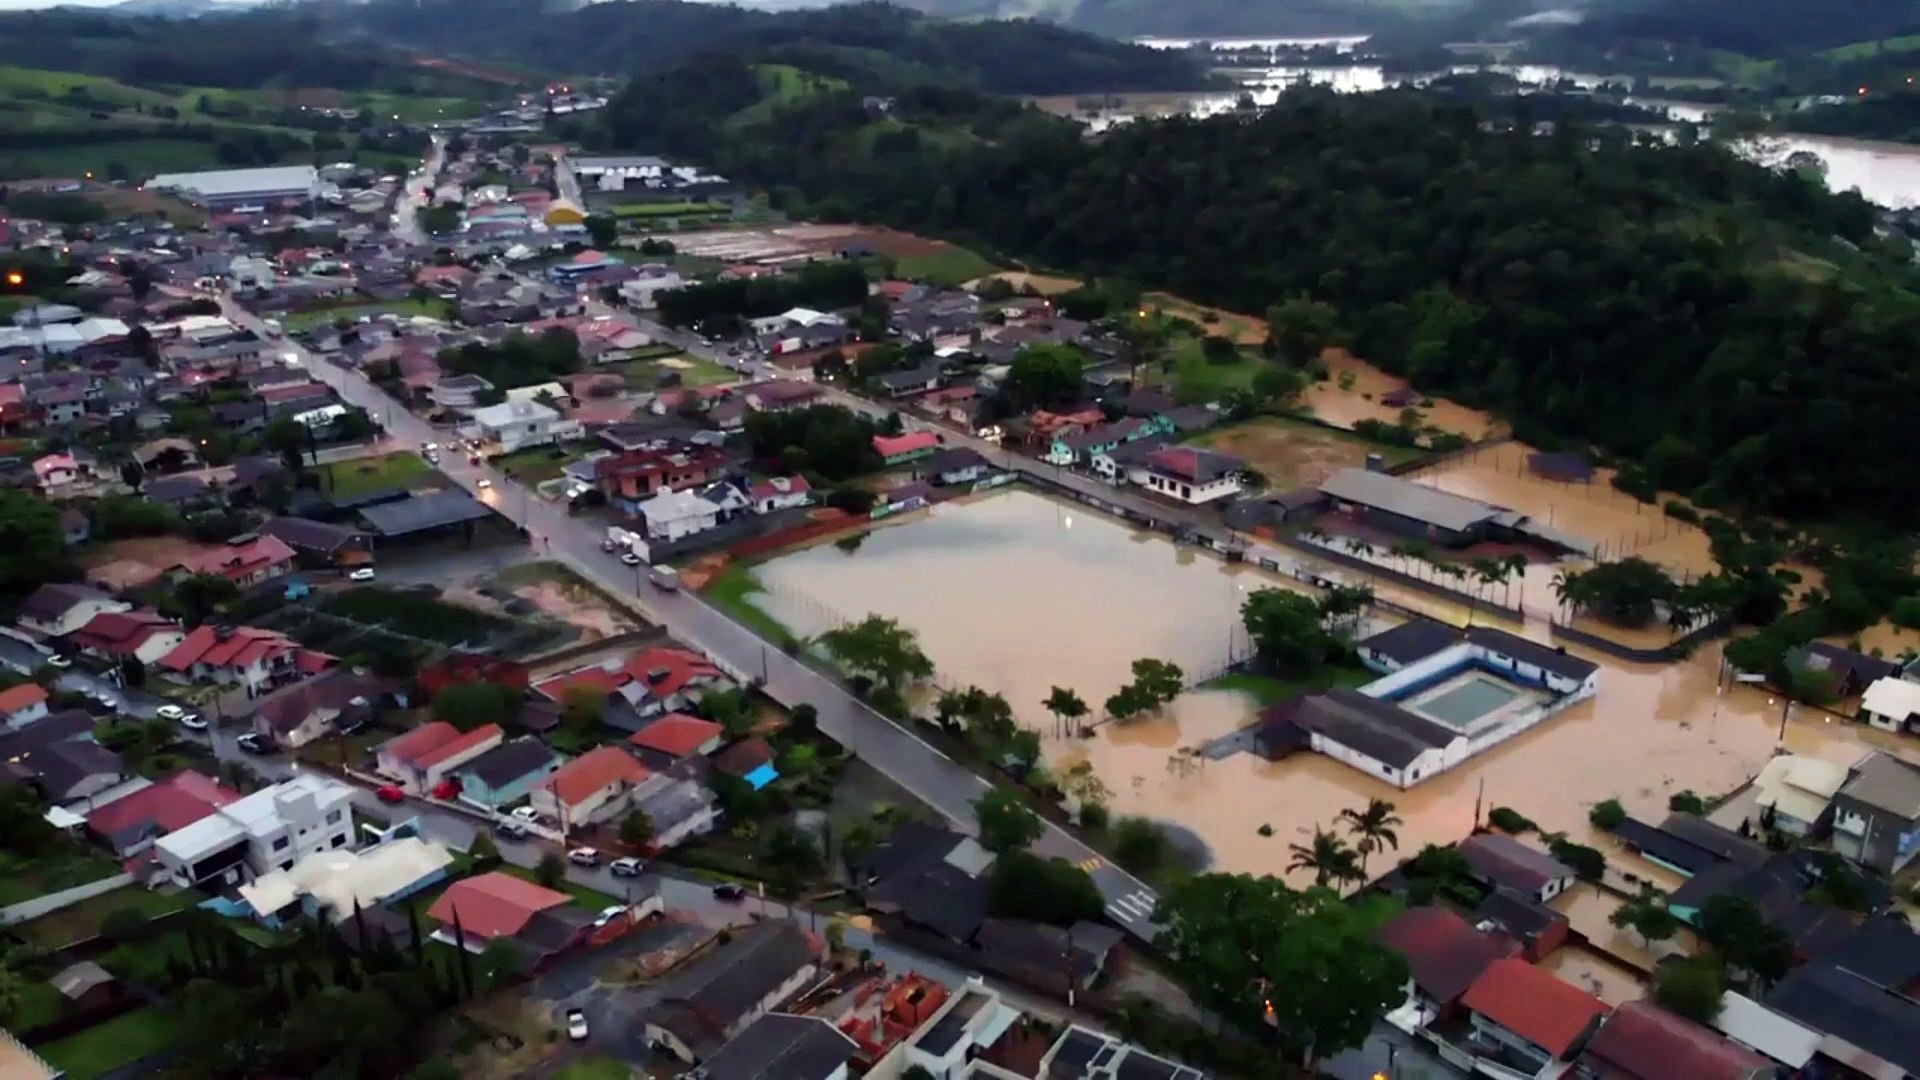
(1136, 906)
(1092, 864)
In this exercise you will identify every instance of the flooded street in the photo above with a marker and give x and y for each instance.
(1016, 593)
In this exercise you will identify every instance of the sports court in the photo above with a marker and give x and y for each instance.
(1471, 701)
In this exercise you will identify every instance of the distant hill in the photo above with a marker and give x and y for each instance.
(178, 9)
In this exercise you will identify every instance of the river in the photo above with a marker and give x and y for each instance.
(1884, 172)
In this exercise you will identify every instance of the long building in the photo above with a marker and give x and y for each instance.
(241, 187)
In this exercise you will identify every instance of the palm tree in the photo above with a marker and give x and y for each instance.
(1066, 706)
(1373, 828)
(1567, 588)
(1328, 857)
(1516, 568)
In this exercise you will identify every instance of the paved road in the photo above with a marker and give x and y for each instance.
(944, 784)
(405, 224)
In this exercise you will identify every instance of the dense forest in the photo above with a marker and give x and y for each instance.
(1739, 332)
(875, 39)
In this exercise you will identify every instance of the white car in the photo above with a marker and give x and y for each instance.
(483, 484)
(607, 915)
(365, 573)
(576, 1025)
(630, 559)
(584, 856)
(526, 813)
(193, 721)
(628, 867)
(429, 447)
(170, 712)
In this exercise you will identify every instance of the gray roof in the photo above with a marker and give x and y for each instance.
(896, 380)
(1442, 509)
(510, 761)
(1506, 861)
(954, 459)
(672, 804)
(174, 489)
(75, 980)
(780, 1046)
(55, 600)
(1379, 729)
(1545, 657)
(740, 974)
(1848, 1006)
(231, 182)
(1411, 641)
(423, 512)
(617, 161)
(1885, 782)
(305, 534)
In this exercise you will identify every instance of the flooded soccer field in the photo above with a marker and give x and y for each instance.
(1016, 593)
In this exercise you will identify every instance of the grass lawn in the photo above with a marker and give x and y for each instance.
(591, 899)
(82, 920)
(39, 1003)
(596, 1069)
(951, 266)
(1197, 380)
(24, 879)
(146, 961)
(540, 463)
(1266, 690)
(731, 591)
(669, 209)
(301, 320)
(363, 476)
(106, 1047)
(12, 302)
(142, 157)
(693, 371)
(1291, 453)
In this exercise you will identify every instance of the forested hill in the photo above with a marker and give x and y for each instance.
(1764, 28)
(872, 42)
(1742, 333)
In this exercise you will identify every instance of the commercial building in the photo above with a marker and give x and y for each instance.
(242, 187)
(268, 830)
(333, 884)
(516, 425)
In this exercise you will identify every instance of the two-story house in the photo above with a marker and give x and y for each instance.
(516, 425)
(594, 787)
(117, 636)
(268, 830)
(22, 705)
(246, 560)
(255, 660)
(1527, 1019)
(1876, 813)
(59, 609)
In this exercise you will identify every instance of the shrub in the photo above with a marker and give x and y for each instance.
(1509, 820)
(1686, 802)
(1093, 816)
(1608, 815)
(1586, 862)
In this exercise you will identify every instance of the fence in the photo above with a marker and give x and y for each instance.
(1472, 603)
(799, 534)
(1676, 650)
(43, 905)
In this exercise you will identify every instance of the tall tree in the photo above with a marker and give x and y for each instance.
(1329, 857)
(1006, 822)
(1066, 707)
(1373, 828)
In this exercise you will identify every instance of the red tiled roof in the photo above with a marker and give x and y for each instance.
(1642, 1041)
(121, 633)
(598, 678)
(461, 745)
(24, 696)
(779, 485)
(202, 787)
(494, 904)
(744, 756)
(412, 746)
(1444, 952)
(677, 734)
(240, 560)
(666, 671)
(244, 647)
(592, 772)
(905, 444)
(1535, 1005)
(169, 805)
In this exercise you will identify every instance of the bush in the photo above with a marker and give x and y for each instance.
(1509, 820)
(1686, 802)
(1140, 845)
(126, 924)
(1093, 816)
(1025, 886)
(1680, 511)
(1608, 815)
(1906, 613)
(1587, 862)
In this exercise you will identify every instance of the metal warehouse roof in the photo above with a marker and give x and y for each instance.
(227, 182)
(423, 512)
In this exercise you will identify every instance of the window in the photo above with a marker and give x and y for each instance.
(340, 840)
(333, 818)
(280, 844)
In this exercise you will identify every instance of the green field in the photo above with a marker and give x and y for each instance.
(538, 464)
(363, 476)
(693, 371)
(782, 85)
(106, 1047)
(1195, 379)
(596, 1069)
(1266, 690)
(1861, 50)
(82, 920)
(142, 157)
(952, 266)
(670, 209)
(302, 320)
(24, 879)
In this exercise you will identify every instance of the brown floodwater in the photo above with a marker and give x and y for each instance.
(1016, 593)
(1359, 399)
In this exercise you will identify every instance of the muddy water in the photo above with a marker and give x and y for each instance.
(1017, 594)
(1360, 398)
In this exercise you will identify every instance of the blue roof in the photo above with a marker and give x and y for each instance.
(762, 776)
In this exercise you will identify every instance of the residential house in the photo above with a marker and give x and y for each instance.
(516, 425)
(962, 1026)
(131, 824)
(177, 492)
(421, 758)
(777, 395)
(117, 636)
(778, 493)
(651, 682)
(1052, 958)
(680, 808)
(594, 787)
(301, 712)
(1077, 446)
(1861, 995)
(1085, 1053)
(674, 738)
(460, 393)
(497, 906)
(246, 560)
(1527, 1019)
(729, 499)
(166, 456)
(1641, 1041)
(900, 384)
(505, 774)
(1500, 859)
(1892, 704)
(900, 449)
(750, 759)
(781, 1045)
(257, 660)
(643, 291)
(1777, 887)
(320, 544)
(22, 705)
(1410, 642)
(1794, 792)
(1783, 1040)
(59, 609)
(335, 886)
(255, 835)
(58, 757)
(1876, 813)
(1539, 929)
(627, 479)
(1445, 956)
(736, 984)
(955, 466)
(1189, 474)
(672, 516)
(1850, 670)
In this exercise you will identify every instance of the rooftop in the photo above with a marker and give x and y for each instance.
(592, 772)
(1441, 509)
(1445, 953)
(1886, 782)
(234, 182)
(676, 735)
(1507, 861)
(1642, 1041)
(341, 879)
(781, 1046)
(426, 511)
(1414, 640)
(494, 904)
(1534, 1004)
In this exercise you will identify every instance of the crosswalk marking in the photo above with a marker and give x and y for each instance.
(1136, 906)
(1094, 863)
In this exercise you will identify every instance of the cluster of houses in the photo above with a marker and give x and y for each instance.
(1480, 992)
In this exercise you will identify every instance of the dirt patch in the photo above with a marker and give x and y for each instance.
(1243, 329)
(576, 606)
(514, 1036)
(470, 70)
(159, 552)
(1044, 284)
(650, 965)
(1354, 389)
(1288, 453)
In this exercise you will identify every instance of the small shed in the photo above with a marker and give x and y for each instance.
(1565, 466)
(86, 985)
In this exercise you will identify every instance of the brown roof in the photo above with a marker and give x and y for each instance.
(744, 756)
(1642, 1041)
(1535, 1005)
(593, 771)
(494, 904)
(1444, 952)
(1507, 861)
(288, 707)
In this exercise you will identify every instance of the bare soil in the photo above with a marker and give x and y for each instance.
(1288, 453)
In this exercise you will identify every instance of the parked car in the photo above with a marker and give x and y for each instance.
(584, 856)
(387, 793)
(193, 721)
(628, 867)
(730, 893)
(576, 1025)
(665, 578)
(254, 743)
(365, 573)
(630, 559)
(483, 484)
(512, 828)
(447, 789)
(170, 712)
(526, 813)
(607, 915)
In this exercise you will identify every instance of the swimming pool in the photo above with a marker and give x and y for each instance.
(1462, 704)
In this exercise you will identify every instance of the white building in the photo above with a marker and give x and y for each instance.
(1797, 789)
(1892, 704)
(252, 272)
(973, 1019)
(330, 883)
(268, 830)
(1189, 475)
(612, 173)
(644, 291)
(515, 425)
(675, 515)
(238, 187)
